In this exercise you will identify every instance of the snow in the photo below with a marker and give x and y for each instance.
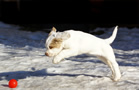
(22, 58)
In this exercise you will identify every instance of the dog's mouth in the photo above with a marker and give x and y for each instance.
(52, 54)
(49, 55)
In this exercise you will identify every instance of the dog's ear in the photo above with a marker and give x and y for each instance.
(52, 31)
(65, 36)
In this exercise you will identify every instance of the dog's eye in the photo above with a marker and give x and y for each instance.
(51, 47)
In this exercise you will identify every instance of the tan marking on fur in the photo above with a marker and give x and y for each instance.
(56, 43)
(53, 30)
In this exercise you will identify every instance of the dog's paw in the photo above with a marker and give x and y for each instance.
(56, 60)
(117, 78)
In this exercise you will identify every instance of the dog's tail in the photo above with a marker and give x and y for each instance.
(111, 39)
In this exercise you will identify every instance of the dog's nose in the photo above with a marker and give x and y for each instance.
(46, 54)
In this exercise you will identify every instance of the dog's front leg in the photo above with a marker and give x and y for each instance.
(64, 54)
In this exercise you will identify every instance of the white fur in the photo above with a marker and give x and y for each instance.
(78, 42)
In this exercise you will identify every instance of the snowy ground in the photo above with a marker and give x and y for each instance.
(22, 58)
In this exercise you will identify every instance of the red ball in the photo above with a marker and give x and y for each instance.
(13, 83)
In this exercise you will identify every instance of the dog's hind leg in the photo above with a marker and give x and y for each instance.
(116, 75)
(108, 58)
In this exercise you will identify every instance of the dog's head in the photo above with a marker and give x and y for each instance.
(55, 42)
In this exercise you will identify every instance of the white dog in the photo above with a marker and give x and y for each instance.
(69, 43)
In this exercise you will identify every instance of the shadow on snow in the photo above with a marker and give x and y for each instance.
(39, 73)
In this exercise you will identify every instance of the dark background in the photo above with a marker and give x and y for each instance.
(65, 14)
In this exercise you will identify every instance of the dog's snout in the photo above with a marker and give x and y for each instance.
(46, 54)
